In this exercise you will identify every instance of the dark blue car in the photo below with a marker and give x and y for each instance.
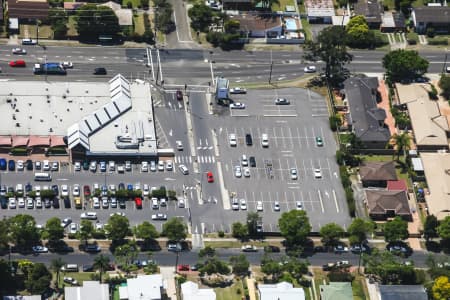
(11, 165)
(2, 164)
(130, 187)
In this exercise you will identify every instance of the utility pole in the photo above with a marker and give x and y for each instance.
(271, 66)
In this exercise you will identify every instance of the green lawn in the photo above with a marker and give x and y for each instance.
(71, 25)
(237, 244)
(319, 278)
(359, 288)
(231, 292)
(134, 3)
(281, 5)
(79, 276)
(306, 29)
(139, 24)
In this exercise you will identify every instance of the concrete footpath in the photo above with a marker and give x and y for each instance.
(251, 288)
(168, 274)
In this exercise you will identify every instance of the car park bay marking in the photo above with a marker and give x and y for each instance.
(320, 199)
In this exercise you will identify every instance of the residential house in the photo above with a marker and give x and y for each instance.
(336, 291)
(364, 117)
(190, 291)
(393, 22)
(383, 204)
(437, 173)
(319, 11)
(436, 17)
(280, 291)
(89, 290)
(124, 15)
(27, 10)
(402, 292)
(142, 287)
(397, 185)
(73, 6)
(241, 5)
(21, 297)
(371, 10)
(377, 173)
(259, 25)
(429, 126)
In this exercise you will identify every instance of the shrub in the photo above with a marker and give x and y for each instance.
(430, 32)
(221, 234)
(438, 41)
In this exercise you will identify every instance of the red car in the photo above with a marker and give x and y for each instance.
(183, 267)
(87, 191)
(210, 177)
(17, 63)
(179, 95)
(138, 202)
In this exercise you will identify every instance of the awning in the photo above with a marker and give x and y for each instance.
(20, 141)
(57, 141)
(36, 140)
(5, 140)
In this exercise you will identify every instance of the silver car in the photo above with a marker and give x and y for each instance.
(238, 171)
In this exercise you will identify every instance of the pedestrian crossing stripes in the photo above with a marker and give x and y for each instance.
(200, 159)
(204, 148)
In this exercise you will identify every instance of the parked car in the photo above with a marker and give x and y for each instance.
(70, 280)
(282, 101)
(19, 51)
(309, 69)
(89, 215)
(237, 105)
(249, 248)
(159, 217)
(238, 90)
(29, 42)
(39, 249)
(340, 249)
(67, 64)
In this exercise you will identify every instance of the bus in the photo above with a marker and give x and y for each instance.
(49, 69)
(42, 177)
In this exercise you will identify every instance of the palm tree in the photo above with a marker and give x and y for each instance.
(101, 263)
(402, 142)
(56, 265)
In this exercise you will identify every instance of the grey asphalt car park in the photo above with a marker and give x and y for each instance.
(292, 144)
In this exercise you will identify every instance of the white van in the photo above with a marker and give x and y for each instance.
(232, 139)
(265, 140)
(155, 204)
(70, 268)
(184, 170)
(179, 145)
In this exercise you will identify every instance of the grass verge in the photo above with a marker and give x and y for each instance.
(233, 292)
(359, 288)
(79, 276)
(139, 24)
(237, 244)
(281, 5)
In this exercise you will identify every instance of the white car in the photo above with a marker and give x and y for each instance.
(118, 213)
(309, 69)
(276, 206)
(120, 169)
(238, 90)
(73, 228)
(169, 165)
(317, 173)
(105, 203)
(93, 166)
(46, 165)
(89, 215)
(247, 172)
(238, 171)
(39, 249)
(282, 101)
(232, 140)
(144, 166)
(29, 42)
(145, 190)
(112, 165)
(181, 202)
(244, 160)
(98, 226)
(70, 280)
(237, 105)
(12, 203)
(159, 217)
(112, 189)
(183, 169)
(77, 166)
(137, 186)
(298, 205)
(21, 202)
(161, 165)
(67, 64)
(179, 145)
(19, 165)
(294, 174)
(235, 204)
(64, 190)
(19, 188)
(152, 166)
(30, 203)
(19, 51)
(55, 166)
(259, 206)
(128, 166)
(243, 204)
(37, 190)
(76, 190)
(264, 140)
(113, 202)
(66, 222)
(96, 202)
(38, 203)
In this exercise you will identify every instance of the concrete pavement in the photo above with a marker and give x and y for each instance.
(168, 274)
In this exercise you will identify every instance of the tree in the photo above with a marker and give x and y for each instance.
(272, 268)
(201, 17)
(4, 234)
(330, 47)
(208, 252)
(23, 231)
(444, 229)
(404, 64)
(441, 288)
(395, 230)
(239, 264)
(101, 263)
(54, 229)
(146, 231)
(118, 228)
(444, 84)
(8, 282)
(402, 143)
(58, 20)
(93, 20)
(430, 227)
(214, 266)
(163, 21)
(358, 33)
(294, 227)
(125, 255)
(239, 230)
(38, 279)
(175, 229)
(86, 230)
(359, 229)
(331, 233)
(253, 219)
(55, 265)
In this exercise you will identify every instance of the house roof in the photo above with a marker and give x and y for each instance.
(250, 22)
(431, 14)
(378, 170)
(124, 15)
(365, 117)
(402, 292)
(437, 173)
(336, 291)
(73, 5)
(89, 290)
(370, 9)
(319, 8)
(145, 287)
(427, 122)
(397, 185)
(190, 291)
(31, 9)
(393, 20)
(380, 201)
(280, 291)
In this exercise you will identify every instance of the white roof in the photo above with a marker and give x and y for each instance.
(190, 291)
(112, 111)
(145, 287)
(280, 291)
(102, 116)
(122, 103)
(417, 164)
(89, 290)
(92, 122)
(77, 135)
